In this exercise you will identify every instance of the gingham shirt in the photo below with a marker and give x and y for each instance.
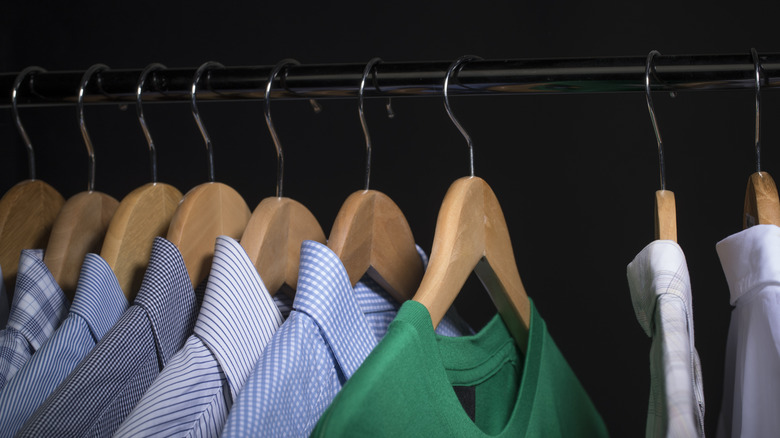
(661, 293)
(38, 307)
(329, 333)
(193, 394)
(751, 375)
(95, 398)
(4, 304)
(97, 305)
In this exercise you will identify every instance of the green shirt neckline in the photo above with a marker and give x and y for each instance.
(470, 360)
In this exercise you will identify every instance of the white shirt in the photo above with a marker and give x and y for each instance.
(751, 383)
(661, 294)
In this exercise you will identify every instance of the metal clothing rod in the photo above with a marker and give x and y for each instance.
(406, 79)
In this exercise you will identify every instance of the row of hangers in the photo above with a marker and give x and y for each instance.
(762, 205)
(370, 233)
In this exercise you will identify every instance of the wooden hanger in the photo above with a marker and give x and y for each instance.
(472, 236)
(28, 209)
(278, 226)
(762, 205)
(143, 214)
(371, 235)
(81, 225)
(207, 211)
(665, 211)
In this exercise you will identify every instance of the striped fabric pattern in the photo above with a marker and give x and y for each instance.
(96, 307)
(38, 308)
(97, 396)
(4, 304)
(193, 394)
(329, 333)
(661, 294)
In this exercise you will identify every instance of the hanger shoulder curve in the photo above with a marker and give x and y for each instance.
(273, 237)
(80, 228)
(665, 216)
(27, 214)
(471, 235)
(207, 211)
(371, 235)
(761, 201)
(142, 215)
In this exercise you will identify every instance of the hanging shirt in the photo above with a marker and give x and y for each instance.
(751, 383)
(4, 304)
(193, 394)
(329, 333)
(38, 307)
(416, 383)
(97, 305)
(95, 398)
(661, 293)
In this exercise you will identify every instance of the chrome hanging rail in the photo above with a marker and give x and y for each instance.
(404, 79)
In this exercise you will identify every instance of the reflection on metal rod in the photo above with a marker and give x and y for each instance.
(398, 79)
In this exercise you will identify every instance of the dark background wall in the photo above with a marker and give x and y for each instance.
(575, 174)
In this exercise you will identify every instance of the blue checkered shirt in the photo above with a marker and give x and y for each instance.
(329, 333)
(4, 304)
(95, 398)
(97, 305)
(193, 394)
(38, 307)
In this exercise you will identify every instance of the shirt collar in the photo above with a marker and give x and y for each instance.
(372, 298)
(325, 294)
(750, 259)
(659, 269)
(99, 299)
(167, 296)
(238, 316)
(39, 305)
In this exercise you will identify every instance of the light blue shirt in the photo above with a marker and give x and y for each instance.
(97, 305)
(331, 330)
(38, 307)
(193, 394)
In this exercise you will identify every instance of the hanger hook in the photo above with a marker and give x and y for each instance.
(281, 65)
(14, 93)
(649, 66)
(142, 120)
(757, 64)
(367, 71)
(450, 71)
(87, 140)
(196, 114)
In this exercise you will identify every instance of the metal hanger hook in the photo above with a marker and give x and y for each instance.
(14, 93)
(80, 105)
(367, 71)
(140, 112)
(196, 114)
(278, 68)
(757, 64)
(281, 65)
(450, 71)
(649, 66)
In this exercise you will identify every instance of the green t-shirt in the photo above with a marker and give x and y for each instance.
(417, 383)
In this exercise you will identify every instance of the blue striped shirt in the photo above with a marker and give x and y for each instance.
(38, 307)
(193, 394)
(96, 307)
(331, 330)
(95, 398)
